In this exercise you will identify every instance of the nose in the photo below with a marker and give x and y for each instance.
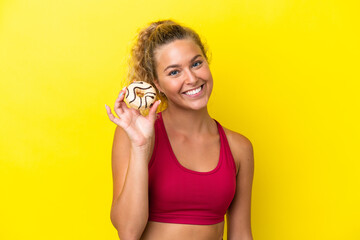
(190, 77)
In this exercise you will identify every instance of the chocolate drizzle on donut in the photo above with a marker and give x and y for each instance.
(148, 95)
(140, 103)
(134, 90)
(140, 95)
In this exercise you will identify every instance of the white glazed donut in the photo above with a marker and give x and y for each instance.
(140, 95)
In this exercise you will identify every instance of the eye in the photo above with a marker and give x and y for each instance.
(173, 73)
(196, 64)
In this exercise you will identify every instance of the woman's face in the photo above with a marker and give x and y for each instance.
(183, 74)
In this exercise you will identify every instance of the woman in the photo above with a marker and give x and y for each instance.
(177, 173)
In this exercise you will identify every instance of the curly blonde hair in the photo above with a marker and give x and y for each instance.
(142, 63)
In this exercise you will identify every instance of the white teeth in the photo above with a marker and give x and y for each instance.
(192, 92)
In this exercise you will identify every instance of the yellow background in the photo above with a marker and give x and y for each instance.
(286, 76)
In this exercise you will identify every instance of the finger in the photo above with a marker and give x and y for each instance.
(119, 108)
(135, 112)
(122, 93)
(119, 104)
(115, 120)
(120, 98)
(123, 108)
(153, 109)
(111, 116)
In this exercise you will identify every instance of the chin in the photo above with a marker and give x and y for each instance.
(186, 104)
(199, 106)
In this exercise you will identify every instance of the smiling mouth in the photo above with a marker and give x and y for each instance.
(194, 91)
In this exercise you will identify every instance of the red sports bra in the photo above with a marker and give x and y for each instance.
(181, 195)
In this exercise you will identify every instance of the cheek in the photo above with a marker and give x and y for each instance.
(175, 85)
(170, 85)
(207, 74)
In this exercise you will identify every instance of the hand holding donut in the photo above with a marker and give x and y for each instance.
(139, 128)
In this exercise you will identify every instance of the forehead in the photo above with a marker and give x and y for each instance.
(176, 52)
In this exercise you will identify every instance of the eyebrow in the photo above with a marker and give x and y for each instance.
(177, 65)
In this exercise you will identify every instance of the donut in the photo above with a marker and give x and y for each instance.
(140, 95)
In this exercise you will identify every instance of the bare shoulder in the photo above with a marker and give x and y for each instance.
(241, 148)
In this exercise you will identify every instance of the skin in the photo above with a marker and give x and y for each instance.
(181, 67)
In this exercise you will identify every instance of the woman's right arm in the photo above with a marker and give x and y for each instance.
(131, 152)
(129, 211)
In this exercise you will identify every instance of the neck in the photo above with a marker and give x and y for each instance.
(188, 122)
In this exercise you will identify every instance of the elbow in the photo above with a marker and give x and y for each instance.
(127, 230)
(123, 236)
(129, 234)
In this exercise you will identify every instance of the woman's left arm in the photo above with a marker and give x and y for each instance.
(238, 213)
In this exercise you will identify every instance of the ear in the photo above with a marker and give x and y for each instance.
(156, 82)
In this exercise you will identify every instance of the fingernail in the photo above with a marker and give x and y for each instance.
(106, 106)
(121, 94)
(123, 88)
